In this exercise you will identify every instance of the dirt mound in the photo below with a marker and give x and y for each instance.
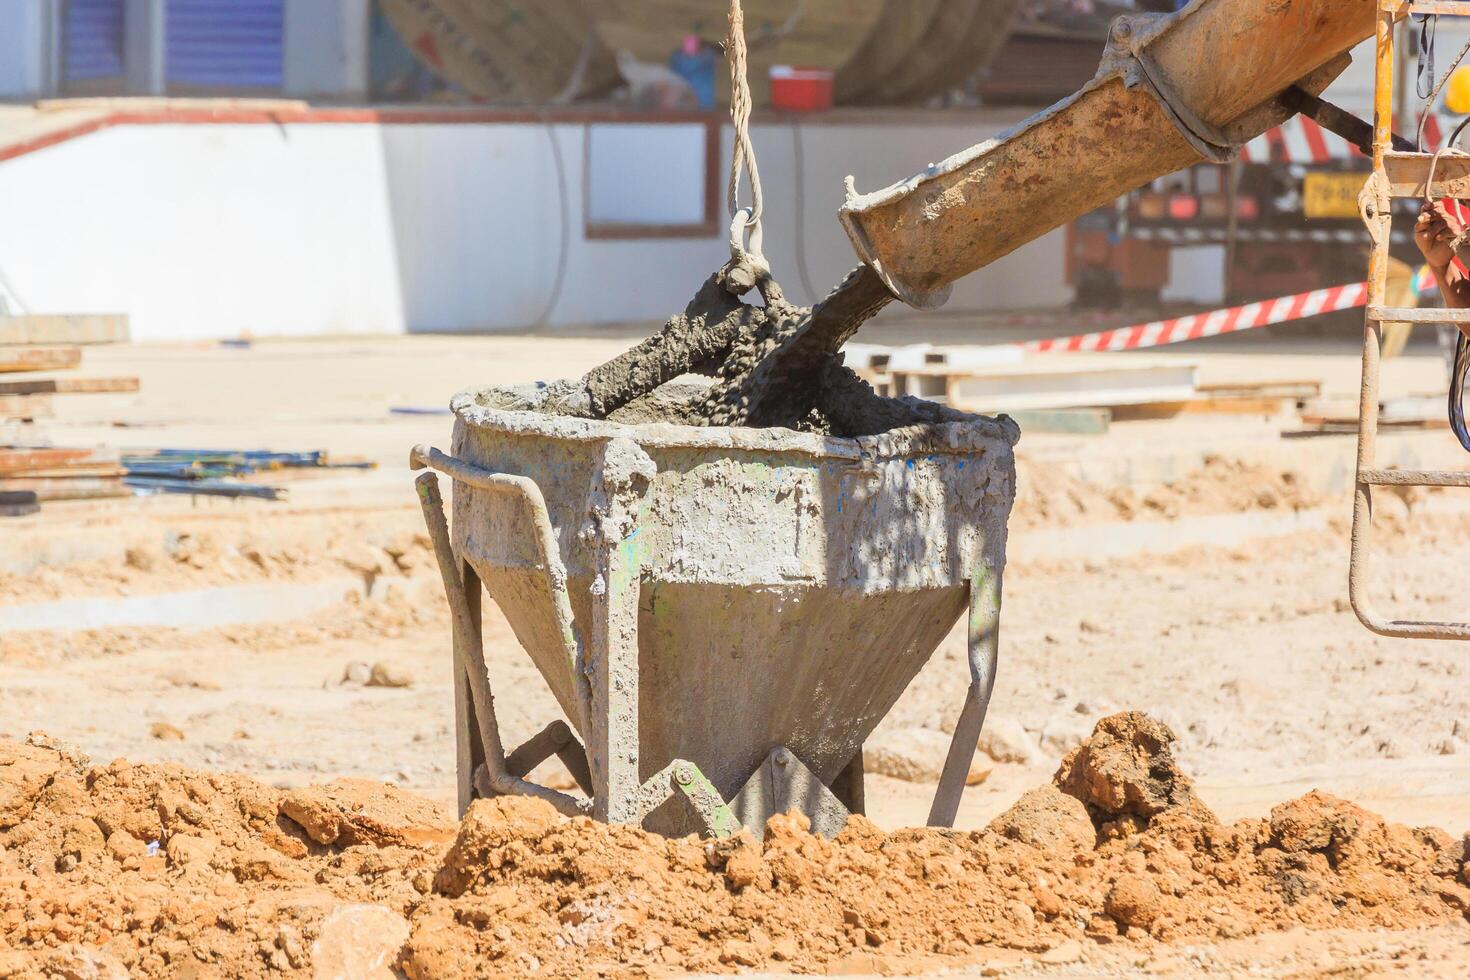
(159, 870)
(1048, 496)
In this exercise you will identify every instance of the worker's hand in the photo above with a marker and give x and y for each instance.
(1434, 231)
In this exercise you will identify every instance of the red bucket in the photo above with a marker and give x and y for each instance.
(796, 89)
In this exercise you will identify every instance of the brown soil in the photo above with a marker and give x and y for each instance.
(160, 870)
(1047, 497)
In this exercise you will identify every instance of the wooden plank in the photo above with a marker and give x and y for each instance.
(17, 359)
(1200, 406)
(1411, 314)
(68, 386)
(25, 407)
(1262, 389)
(67, 489)
(1350, 424)
(1067, 421)
(74, 471)
(1407, 173)
(24, 458)
(1058, 384)
(64, 328)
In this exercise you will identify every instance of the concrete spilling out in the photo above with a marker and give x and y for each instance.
(767, 365)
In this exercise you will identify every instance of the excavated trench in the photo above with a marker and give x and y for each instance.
(768, 365)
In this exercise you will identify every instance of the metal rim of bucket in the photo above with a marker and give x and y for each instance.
(976, 434)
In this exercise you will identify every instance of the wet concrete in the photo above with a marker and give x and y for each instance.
(775, 365)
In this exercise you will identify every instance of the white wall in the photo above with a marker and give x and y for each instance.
(206, 231)
(211, 230)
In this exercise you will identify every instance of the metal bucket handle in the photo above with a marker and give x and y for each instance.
(422, 456)
(503, 774)
(628, 801)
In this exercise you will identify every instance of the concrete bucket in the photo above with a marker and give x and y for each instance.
(723, 614)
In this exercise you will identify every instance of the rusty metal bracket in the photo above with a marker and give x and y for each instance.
(684, 778)
(1127, 53)
(1130, 37)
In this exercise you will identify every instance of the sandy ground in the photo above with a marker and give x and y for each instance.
(1238, 635)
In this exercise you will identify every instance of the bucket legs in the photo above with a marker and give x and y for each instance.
(614, 670)
(607, 676)
(469, 750)
(480, 755)
(615, 498)
(983, 649)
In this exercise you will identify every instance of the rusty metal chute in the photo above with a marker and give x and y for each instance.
(1172, 90)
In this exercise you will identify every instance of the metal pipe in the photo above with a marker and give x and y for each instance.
(982, 650)
(422, 456)
(555, 739)
(1372, 330)
(470, 659)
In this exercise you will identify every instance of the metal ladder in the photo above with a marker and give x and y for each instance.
(1395, 175)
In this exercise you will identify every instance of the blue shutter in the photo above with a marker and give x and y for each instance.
(224, 44)
(93, 40)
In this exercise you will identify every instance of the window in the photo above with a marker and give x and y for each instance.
(652, 180)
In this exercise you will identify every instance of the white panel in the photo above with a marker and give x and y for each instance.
(207, 230)
(645, 174)
(1196, 275)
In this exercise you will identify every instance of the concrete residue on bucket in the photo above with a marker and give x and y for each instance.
(160, 870)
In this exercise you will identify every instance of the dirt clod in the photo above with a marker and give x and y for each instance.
(1126, 770)
(351, 812)
(1134, 900)
(1046, 817)
(165, 732)
(386, 675)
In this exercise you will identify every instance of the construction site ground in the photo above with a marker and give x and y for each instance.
(1192, 568)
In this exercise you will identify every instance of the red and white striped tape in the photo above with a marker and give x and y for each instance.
(1301, 140)
(1197, 325)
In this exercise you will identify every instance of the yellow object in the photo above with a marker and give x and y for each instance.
(1398, 292)
(1329, 195)
(1457, 91)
